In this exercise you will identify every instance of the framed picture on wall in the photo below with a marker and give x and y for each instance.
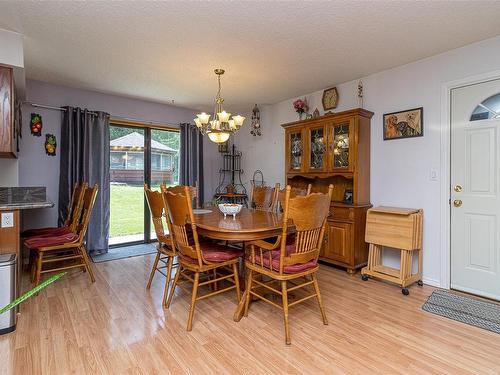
(404, 124)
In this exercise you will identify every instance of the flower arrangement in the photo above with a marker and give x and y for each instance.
(301, 106)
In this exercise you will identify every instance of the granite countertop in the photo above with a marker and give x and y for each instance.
(23, 198)
(25, 205)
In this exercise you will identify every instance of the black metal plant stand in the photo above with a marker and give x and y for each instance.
(231, 188)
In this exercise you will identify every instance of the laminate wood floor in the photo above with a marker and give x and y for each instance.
(115, 326)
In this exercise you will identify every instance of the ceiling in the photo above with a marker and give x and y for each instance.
(166, 51)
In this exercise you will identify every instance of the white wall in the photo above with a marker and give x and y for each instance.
(38, 169)
(400, 169)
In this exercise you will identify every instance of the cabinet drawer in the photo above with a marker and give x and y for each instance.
(343, 213)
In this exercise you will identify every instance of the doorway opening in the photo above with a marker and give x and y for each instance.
(138, 156)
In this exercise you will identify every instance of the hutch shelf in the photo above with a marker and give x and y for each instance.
(335, 149)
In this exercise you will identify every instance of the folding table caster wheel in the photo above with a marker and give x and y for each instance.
(364, 277)
(405, 291)
(420, 283)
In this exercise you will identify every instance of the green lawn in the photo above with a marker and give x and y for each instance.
(127, 210)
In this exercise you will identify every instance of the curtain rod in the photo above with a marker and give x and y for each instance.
(36, 105)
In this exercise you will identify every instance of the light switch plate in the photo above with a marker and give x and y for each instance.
(7, 219)
(434, 175)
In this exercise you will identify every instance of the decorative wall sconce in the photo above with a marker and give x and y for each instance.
(360, 94)
(255, 128)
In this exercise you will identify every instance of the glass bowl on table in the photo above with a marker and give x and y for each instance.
(230, 209)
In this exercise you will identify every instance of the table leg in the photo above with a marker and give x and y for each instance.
(238, 314)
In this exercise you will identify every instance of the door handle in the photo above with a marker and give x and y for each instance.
(458, 188)
(457, 202)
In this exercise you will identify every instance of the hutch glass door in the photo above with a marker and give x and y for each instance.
(340, 146)
(317, 149)
(295, 150)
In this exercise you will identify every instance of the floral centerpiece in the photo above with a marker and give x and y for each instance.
(301, 107)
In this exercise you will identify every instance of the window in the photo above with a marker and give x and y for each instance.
(155, 161)
(117, 159)
(488, 109)
(134, 160)
(166, 162)
(138, 155)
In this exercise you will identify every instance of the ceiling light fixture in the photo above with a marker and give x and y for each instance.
(222, 126)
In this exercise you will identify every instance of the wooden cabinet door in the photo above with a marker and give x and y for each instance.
(341, 145)
(316, 158)
(339, 243)
(295, 150)
(7, 141)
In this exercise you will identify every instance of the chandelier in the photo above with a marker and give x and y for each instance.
(222, 126)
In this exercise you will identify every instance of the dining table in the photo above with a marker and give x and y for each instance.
(247, 225)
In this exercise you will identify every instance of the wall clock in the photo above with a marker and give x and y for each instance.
(330, 98)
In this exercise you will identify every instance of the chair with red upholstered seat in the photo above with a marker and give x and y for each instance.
(74, 212)
(264, 197)
(199, 260)
(165, 252)
(294, 192)
(295, 261)
(193, 190)
(66, 247)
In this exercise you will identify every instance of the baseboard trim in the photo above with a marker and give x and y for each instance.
(432, 282)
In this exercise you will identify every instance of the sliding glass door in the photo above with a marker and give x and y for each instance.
(138, 155)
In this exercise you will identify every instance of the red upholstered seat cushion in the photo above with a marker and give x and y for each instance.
(213, 252)
(275, 260)
(37, 242)
(46, 232)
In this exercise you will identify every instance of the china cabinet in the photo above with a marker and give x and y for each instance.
(335, 149)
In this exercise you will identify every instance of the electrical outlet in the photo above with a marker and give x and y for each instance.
(7, 219)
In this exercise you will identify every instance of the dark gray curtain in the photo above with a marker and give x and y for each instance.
(191, 157)
(84, 148)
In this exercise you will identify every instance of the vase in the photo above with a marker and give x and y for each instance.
(301, 115)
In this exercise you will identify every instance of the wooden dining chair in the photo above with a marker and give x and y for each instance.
(294, 192)
(69, 225)
(193, 190)
(198, 258)
(165, 253)
(264, 197)
(66, 247)
(291, 263)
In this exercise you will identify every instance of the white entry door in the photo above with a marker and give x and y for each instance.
(475, 189)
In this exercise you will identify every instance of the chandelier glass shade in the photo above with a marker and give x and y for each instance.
(222, 124)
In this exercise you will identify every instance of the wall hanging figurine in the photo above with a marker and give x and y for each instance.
(255, 128)
(50, 144)
(36, 124)
(360, 94)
